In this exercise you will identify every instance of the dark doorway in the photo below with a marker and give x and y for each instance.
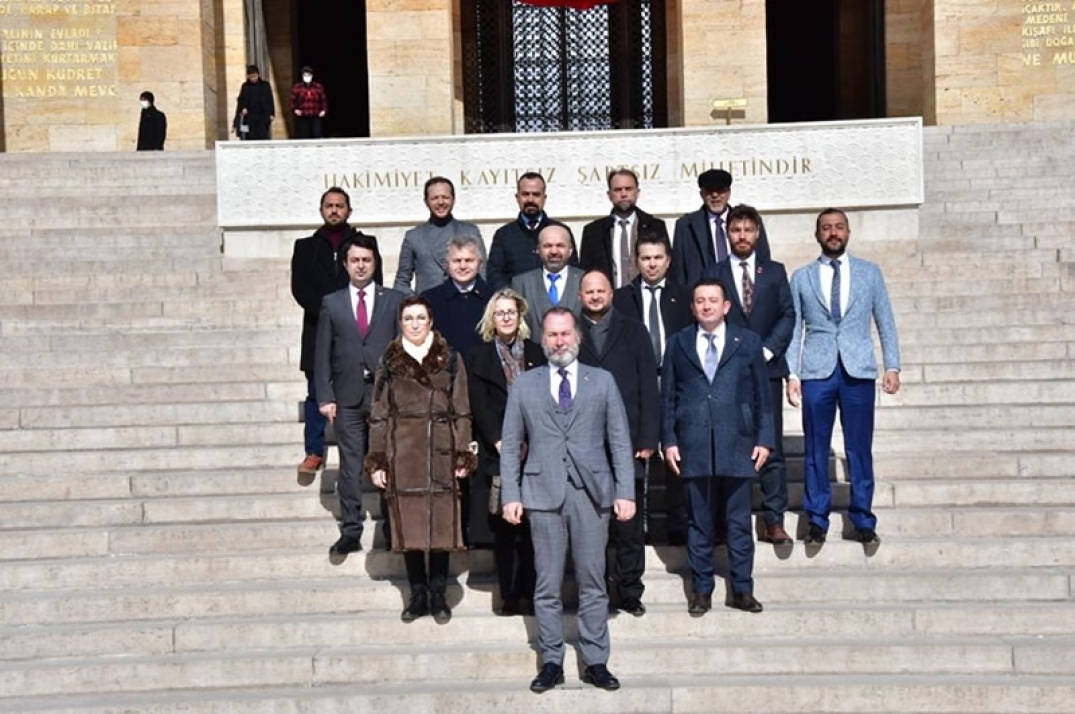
(330, 36)
(826, 59)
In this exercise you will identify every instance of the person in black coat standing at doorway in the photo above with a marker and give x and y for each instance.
(153, 125)
(256, 108)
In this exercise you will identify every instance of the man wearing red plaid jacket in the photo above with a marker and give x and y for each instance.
(308, 104)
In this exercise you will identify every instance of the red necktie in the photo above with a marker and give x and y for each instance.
(360, 314)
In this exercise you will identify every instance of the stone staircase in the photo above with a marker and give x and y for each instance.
(158, 555)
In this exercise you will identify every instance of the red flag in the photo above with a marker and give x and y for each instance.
(573, 4)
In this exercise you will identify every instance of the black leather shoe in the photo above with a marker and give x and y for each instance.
(526, 607)
(508, 608)
(700, 604)
(745, 602)
(549, 676)
(814, 535)
(599, 676)
(633, 606)
(345, 545)
(866, 536)
(417, 607)
(438, 605)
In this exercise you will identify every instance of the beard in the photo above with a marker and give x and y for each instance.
(562, 358)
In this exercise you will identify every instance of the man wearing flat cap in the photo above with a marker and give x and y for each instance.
(701, 237)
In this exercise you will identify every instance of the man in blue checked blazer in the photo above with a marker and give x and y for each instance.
(832, 364)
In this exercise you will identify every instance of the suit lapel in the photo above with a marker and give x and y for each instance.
(857, 286)
(380, 310)
(731, 345)
(686, 341)
(703, 239)
(727, 277)
(813, 276)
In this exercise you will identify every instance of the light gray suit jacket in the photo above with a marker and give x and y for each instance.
(580, 438)
(425, 258)
(818, 340)
(343, 358)
(531, 285)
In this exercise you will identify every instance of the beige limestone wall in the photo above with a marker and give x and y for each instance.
(904, 55)
(1003, 61)
(722, 56)
(411, 45)
(73, 70)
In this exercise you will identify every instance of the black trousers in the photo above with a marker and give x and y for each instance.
(513, 552)
(308, 127)
(436, 578)
(774, 475)
(626, 551)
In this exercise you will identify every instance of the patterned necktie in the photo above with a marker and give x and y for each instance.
(834, 301)
(711, 357)
(565, 389)
(655, 320)
(361, 316)
(624, 272)
(718, 237)
(554, 294)
(748, 287)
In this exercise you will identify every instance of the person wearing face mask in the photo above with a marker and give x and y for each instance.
(152, 127)
(309, 105)
(420, 447)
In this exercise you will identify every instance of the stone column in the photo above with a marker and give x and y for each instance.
(721, 50)
(411, 67)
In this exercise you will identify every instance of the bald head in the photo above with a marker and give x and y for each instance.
(595, 293)
(554, 248)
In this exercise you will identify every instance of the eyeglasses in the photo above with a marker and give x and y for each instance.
(504, 314)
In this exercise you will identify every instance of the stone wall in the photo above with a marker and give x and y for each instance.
(73, 70)
(904, 49)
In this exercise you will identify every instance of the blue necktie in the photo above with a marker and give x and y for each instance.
(554, 294)
(565, 389)
(834, 301)
(711, 357)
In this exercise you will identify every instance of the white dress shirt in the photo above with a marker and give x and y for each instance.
(617, 244)
(369, 292)
(825, 274)
(701, 343)
(572, 380)
(647, 297)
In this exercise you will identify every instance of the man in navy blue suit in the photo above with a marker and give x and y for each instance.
(717, 432)
(761, 302)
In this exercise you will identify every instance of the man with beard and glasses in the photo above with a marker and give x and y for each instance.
(424, 254)
(577, 472)
(608, 244)
(832, 363)
(515, 245)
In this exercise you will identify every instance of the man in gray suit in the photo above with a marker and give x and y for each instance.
(571, 420)
(555, 283)
(832, 364)
(355, 327)
(424, 254)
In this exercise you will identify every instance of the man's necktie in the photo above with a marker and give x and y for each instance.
(565, 389)
(834, 301)
(718, 236)
(624, 272)
(655, 320)
(748, 287)
(361, 316)
(554, 294)
(711, 357)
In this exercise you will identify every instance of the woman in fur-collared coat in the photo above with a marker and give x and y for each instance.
(419, 446)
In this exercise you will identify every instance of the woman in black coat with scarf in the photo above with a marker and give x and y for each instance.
(505, 352)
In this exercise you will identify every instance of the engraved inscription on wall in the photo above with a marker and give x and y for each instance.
(58, 49)
(1048, 33)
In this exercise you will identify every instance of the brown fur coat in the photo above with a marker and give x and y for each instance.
(419, 434)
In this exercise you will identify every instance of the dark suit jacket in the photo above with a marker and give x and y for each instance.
(344, 358)
(692, 248)
(456, 315)
(717, 424)
(629, 357)
(773, 315)
(596, 250)
(531, 285)
(489, 397)
(316, 271)
(514, 251)
(675, 305)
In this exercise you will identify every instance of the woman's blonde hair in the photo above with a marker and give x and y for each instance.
(487, 326)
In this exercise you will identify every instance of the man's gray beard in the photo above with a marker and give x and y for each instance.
(562, 359)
